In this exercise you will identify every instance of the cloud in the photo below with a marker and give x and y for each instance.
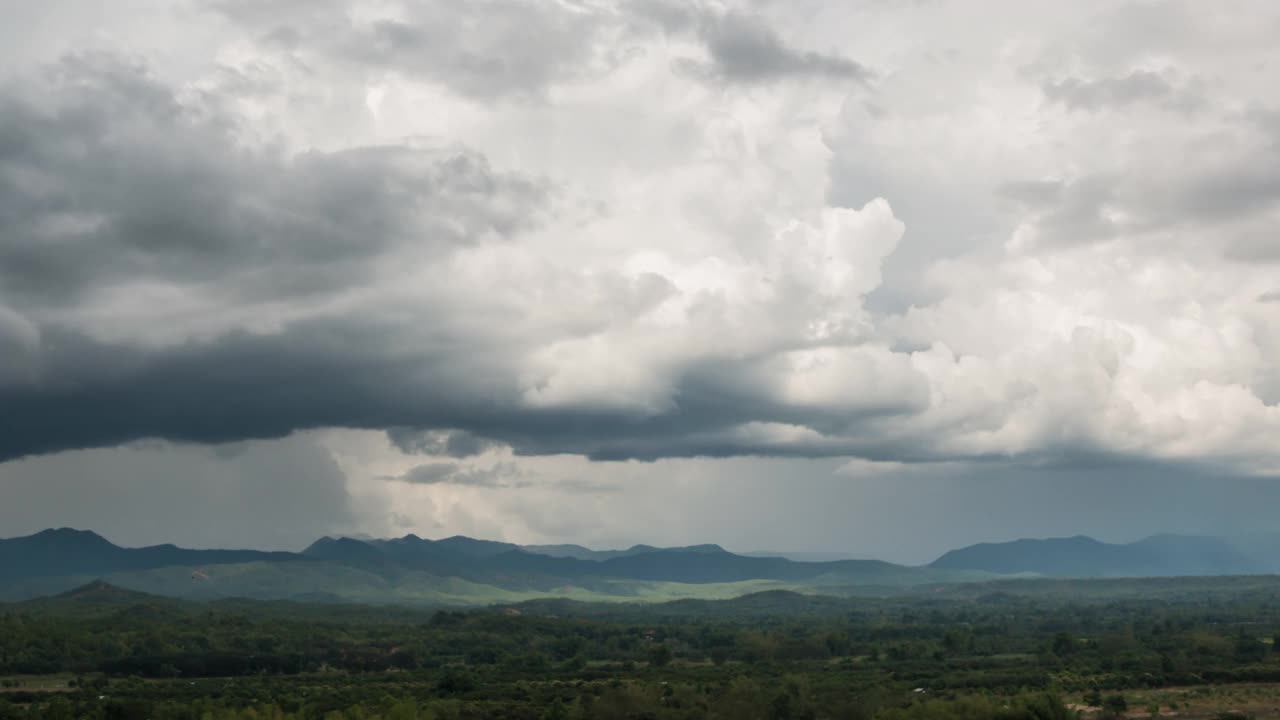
(743, 48)
(536, 236)
(207, 293)
(1106, 93)
(111, 179)
(429, 474)
(1220, 189)
(521, 50)
(502, 475)
(495, 50)
(458, 444)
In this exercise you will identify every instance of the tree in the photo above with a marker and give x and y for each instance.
(557, 711)
(660, 656)
(1116, 704)
(1049, 707)
(456, 682)
(1064, 643)
(1249, 649)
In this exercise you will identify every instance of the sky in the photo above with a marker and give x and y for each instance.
(878, 277)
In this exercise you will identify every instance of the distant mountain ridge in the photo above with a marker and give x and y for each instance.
(411, 569)
(65, 551)
(489, 561)
(460, 570)
(1082, 556)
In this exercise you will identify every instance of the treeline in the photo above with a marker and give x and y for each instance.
(739, 700)
(903, 659)
(954, 645)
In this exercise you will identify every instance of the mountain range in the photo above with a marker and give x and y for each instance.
(463, 571)
(1155, 556)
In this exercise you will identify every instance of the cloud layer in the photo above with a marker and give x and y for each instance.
(640, 230)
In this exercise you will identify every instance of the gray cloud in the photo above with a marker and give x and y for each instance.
(582, 486)
(429, 474)
(516, 49)
(1070, 213)
(339, 373)
(1235, 192)
(458, 444)
(114, 183)
(499, 476)
(744, 48)
(502, 475)
(1118, 92)
(240, 386)
(106, 177)
(486, 51)
(511, 48)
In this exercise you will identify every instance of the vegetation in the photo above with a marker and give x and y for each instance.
(102, 652)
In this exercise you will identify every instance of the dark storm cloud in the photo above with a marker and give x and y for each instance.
(458, 444)
(238, 386)
(353, 372)
(105, 177)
